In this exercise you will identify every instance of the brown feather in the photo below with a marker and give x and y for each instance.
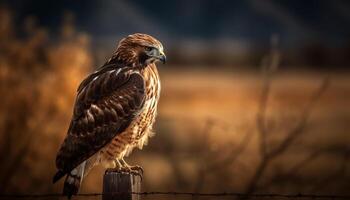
(110, 106)
(97, 130)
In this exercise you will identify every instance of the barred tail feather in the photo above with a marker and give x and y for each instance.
(73, 181)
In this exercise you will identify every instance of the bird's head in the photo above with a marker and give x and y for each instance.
(140, 49)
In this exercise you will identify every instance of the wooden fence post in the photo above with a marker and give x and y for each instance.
(118, 185)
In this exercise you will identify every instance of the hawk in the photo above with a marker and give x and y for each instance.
(114, 111)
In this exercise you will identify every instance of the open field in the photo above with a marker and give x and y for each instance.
(207, 135)
(209, 117)
(221, 127)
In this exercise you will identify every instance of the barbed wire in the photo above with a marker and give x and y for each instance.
(232, 194)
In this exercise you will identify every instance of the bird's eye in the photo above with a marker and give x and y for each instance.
(148, 48)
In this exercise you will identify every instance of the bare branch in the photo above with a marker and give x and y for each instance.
(299, 128)
(270, 65)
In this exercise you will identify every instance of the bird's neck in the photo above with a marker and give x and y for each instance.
(133, 62)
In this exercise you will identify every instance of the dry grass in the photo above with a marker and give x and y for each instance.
(213, 128)
(206, 124)
(38, 80)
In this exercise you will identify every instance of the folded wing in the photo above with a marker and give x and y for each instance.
(107, 102)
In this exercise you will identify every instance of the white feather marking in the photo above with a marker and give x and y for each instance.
(94, 78)
(120, 69)
(74, 172)
(70, 180)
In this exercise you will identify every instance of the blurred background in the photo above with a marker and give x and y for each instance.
(255, 94)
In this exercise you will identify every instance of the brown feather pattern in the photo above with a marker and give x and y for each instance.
(114, 111)
(105, 106)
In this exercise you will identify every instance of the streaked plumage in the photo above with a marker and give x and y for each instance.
(114, 111)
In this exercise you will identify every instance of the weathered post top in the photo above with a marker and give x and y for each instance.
(119, 185)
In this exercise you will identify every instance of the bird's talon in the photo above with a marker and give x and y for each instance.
(137, 173)
(112, 170)
(137, 168)
(132, 171)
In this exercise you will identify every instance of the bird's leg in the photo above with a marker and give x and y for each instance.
(118, 164)
(133, 169)
(126, 165)
(116, 167)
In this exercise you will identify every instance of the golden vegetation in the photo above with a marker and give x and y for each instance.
(38, 80)
(208, 133)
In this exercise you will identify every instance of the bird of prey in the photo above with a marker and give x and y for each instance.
(114, 111)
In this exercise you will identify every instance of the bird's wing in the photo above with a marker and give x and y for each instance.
(107, 102)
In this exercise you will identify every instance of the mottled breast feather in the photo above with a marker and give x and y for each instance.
(107, 102)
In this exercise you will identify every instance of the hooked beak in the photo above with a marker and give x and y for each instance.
(162, 57)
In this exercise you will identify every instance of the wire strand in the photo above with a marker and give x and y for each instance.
(235, 194)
